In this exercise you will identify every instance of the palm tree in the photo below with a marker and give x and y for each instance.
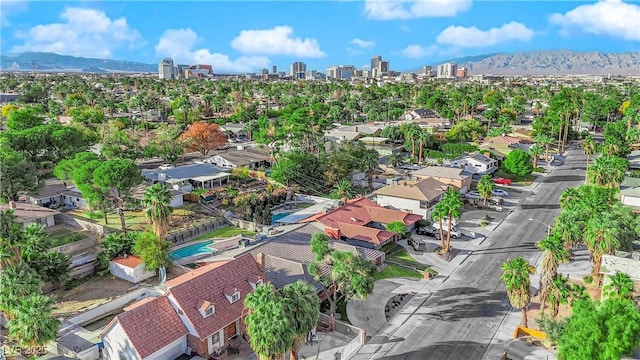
(535, 151)
(411, 131)
(588, 146)
(34, 324)
(12, 237)
(601, 237)
(16, 283)
(439, 213)
(368, 164)
(569, 227)
(157, 200)
(302, 305)
(268, 324)
(424, 138)
(515, 275)
(607, 171)
(620, 286)
(485, 188)
(546, 141)
(560, 293)
(343, 190)
(451, 207)
(553, 254)
(395, 159)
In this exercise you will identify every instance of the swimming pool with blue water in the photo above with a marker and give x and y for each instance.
(192, 250)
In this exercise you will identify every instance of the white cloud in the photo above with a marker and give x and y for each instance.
(276, 41)
(413, 9)
(8, 8)
(417, 51)
(82, 32)
(362, 44)
(474, 37)
(179, 44)
(609, 17)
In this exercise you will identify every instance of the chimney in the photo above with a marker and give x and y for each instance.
(260, 261)
(12, 204)
(487, 154)
(462, 166)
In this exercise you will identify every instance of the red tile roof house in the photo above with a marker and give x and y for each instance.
(362, 222)
(200, 310)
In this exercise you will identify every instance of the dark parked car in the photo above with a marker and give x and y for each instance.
(429, 231)
(417, 244)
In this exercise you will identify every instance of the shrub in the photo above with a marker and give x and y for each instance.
(539, 169)
(518, 162)
(587, 279)
(96, 215)
(634, 173)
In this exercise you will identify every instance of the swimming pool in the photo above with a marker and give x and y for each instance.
(278, 216)
(192, 250)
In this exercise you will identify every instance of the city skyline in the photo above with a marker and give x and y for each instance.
(260, 35)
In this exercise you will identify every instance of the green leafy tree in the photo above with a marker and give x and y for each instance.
(554, 253)
(619, 286)
(34, 324)
(157, 200)
(320, 246)
(153, 251)
(117, 244)
(397, 227)
(269, 327)
(116, 178)
(560, 293)
(17, 282)
(518, 162)
(485, 188)
(343, 190)
(19, 174)
(21, 119)
(515, 275)
(299, 168)
(604, 330)
(546, 141)
(607, 171)
(350, 276)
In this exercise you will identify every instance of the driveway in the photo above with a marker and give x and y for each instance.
(369, 313)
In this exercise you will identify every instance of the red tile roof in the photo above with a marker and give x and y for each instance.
(191, 289)
(363, 233)
(363, 211)
(129, 261)
(151, 326)
(194, 273)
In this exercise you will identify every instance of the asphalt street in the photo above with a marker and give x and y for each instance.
(459, 318)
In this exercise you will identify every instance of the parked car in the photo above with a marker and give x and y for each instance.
(428, 231)
(500, 192)
(473, 195)
(455, 232)
(502, 181)
(417, 244)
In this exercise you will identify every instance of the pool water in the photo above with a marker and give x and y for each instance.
(278, 216)
(191, 250)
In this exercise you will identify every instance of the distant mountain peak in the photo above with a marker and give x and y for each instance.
(46, 61)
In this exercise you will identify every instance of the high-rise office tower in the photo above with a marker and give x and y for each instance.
(298, 70)
(447, 71)
(165, 69)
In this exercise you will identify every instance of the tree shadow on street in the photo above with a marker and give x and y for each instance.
(448, 350)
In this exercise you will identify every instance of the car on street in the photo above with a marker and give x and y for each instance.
(502, 181)
(417, 244)
(500, 192)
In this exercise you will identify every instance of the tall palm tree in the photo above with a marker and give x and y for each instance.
(34, 324)
(535, 151)
(554, 252)
(268, 324)
(423, 138)
(515, 275)
(157, 200)
(601, 237)
(302, 305)
(411, 131)
(620, 286)
(560, 293)
(546, 141)
(395, 159)
(607, 171)
(439, 213)
(569, 196)
(451, 207)
(485, 188)
(343, 190)
(569, 227)
(588, 146)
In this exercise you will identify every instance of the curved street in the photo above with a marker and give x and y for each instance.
(457, 314)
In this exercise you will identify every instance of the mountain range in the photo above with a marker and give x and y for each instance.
(555, 62)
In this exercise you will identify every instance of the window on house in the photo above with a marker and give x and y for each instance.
(259, 282)
(209, 311)
(235, 297)
(424, 205)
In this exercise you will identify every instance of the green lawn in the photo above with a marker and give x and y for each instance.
(224, 232)
(521, 180)
(397, 253)
(66, 239)
(395, 271)
(135, 220)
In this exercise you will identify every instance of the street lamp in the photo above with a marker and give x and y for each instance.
(548, 226)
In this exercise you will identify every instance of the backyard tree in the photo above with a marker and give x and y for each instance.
(299, 168)
(343, 190)
(515, 275)
(34, 324)
(21, 119)
(320, 245)
(116, 178)
(518, 162)
(167, 143)
(153, 251)
(203, 137)
(19, 174)
(157, 200)
(485, 188)
(604, 330)
(350, 275)
(397, 227)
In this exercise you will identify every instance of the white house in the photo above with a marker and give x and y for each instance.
(49, 195)
(188, 177)
(73, 198)
(630, 192)
(415, 197)
(129, 268)
(476, 164)
(242, 157)
(31, 214)
(158, 333)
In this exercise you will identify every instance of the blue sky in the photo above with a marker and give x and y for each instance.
(244, 36)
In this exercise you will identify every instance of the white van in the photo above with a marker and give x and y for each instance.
(455, 232)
